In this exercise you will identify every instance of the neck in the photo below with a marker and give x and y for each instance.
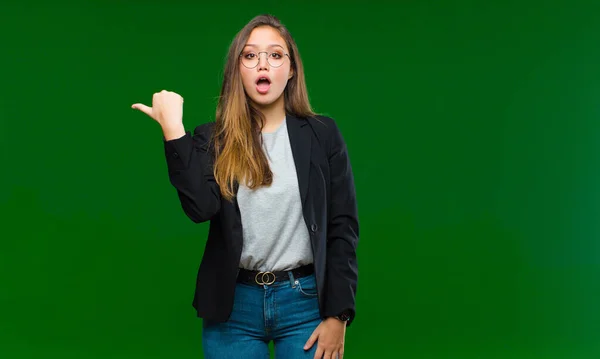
(274, 114)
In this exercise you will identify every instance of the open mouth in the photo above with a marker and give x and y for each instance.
(263, 84)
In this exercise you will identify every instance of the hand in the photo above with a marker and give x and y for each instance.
(330, 334)
(167, 109)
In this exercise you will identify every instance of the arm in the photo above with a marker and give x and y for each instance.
(190, 168)
(342, 235)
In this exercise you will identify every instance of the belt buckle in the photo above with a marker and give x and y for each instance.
(262, 278)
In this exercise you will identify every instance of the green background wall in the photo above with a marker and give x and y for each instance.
(472, 127)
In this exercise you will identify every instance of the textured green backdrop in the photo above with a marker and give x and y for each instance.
(472, 127)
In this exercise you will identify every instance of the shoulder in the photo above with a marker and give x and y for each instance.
(326, 130)
(202, 134)
(204, 129)
(323, 124)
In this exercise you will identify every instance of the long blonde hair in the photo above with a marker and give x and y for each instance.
(236, 136)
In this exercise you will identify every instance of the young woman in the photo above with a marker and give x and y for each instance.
(275, 182)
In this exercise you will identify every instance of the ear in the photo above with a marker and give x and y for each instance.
(291, 74)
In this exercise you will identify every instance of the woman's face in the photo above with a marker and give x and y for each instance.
(265, 83)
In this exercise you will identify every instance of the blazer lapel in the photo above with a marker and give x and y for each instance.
(300, 141)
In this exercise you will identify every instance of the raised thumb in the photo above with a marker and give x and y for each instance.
(145, 109)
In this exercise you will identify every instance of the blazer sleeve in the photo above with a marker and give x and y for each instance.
(190, 168)
(342, 231)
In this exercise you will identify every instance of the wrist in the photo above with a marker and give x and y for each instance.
(343, 317)
(336, 320)
(173, 132)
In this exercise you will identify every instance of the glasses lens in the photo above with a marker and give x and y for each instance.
(251, 59)
(276, 59)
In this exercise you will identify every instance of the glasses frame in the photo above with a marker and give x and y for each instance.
(258, 57)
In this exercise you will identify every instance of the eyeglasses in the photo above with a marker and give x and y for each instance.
(250, 59)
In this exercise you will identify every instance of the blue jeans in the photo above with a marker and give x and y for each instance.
(286, 312)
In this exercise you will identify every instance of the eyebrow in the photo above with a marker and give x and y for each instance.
(272, 45)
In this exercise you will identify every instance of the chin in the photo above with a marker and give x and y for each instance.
(264, 101)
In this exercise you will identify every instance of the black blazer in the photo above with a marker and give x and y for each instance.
(328, 201)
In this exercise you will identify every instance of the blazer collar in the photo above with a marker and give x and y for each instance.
(300, 141)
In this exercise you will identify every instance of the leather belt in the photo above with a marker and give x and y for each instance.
(260, 278)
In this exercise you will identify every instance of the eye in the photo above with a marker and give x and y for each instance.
(249, 55)
(276, 55)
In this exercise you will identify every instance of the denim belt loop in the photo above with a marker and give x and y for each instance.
(292, 279)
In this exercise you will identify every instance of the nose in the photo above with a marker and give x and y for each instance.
(263, 64)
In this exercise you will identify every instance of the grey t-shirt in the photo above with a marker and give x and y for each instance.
(275, 234)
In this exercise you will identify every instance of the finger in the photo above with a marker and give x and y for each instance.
(311, 340)
(145, 109)
(341, 354)
(327, 355)
(318, 353)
